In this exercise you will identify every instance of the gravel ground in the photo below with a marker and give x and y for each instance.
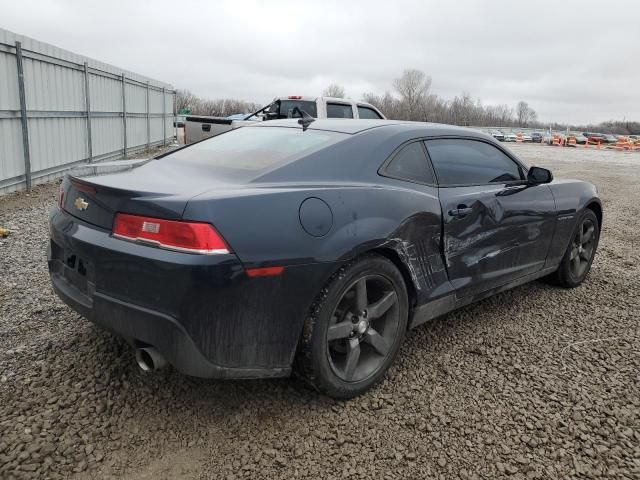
(537, 382)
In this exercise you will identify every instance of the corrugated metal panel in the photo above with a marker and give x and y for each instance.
(156, 128)
(106, 135)
(136, 99)
(30, 44)
(56, 141)
(54, 82)
(53, 87)
(155, 101)
(9, 84)
(106, 94)
(11, 160)
(136, 132)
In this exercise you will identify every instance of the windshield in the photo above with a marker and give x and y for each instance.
(249, 151)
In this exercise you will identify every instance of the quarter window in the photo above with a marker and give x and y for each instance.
(339, 110)
(410, 164)
(470, 162)
(368, 113)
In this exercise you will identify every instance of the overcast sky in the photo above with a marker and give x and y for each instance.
(572, 61)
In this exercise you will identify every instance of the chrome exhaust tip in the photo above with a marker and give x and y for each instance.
(149, 359)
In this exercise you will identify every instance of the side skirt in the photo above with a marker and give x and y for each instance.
(448, 303)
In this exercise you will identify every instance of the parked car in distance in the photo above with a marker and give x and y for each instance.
(497, 134)
(510, 137)
(610, 138)
(527, 138)
(198, 127)
(322, 241)
(580, 138)
(595, 138)
(550, 138)
(536, 137)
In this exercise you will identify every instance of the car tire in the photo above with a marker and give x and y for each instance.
(577, 260)
(354, 328)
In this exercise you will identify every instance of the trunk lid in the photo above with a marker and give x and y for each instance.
(155, 189)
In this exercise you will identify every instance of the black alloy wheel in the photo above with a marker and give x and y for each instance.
(363, 327)
(355, 328)
(577, 260)
(582, 248)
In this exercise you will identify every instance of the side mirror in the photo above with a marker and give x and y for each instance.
(539, 175)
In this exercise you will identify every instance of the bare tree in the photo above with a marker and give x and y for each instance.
(334, 90)
(415, 101)
(387, 104)
(525, 114)
(219, 107)
(413, 87)
(186, 100)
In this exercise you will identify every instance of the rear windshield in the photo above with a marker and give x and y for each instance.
(287, 107)
(255, 149)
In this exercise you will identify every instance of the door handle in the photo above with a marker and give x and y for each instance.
(461, 211)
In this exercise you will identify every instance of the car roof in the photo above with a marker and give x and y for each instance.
(353, 127)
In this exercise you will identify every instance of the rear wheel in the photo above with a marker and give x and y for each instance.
(355, 328)
(578, 258)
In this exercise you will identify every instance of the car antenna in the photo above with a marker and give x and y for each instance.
(305, 119)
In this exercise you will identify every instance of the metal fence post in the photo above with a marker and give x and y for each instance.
(87, 104)
(148, 120)
(164, 118)
(23, 117)
(124, 117)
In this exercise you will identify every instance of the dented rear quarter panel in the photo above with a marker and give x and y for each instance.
(264, 228)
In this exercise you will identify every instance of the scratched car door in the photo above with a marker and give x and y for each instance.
(496, 227)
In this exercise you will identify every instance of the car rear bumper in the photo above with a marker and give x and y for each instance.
(201, 312)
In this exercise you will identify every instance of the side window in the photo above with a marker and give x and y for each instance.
(470, 162)
(410, 164)
(339, 110)
(368, 113)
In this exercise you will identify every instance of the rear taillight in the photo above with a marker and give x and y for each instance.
(190, 237)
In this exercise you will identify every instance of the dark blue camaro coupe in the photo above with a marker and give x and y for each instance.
(311, 245)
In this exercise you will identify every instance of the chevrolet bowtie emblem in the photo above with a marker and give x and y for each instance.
(81, 204)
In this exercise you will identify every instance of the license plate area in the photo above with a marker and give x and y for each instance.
(78, 271)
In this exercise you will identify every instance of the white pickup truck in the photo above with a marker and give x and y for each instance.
(198, 127)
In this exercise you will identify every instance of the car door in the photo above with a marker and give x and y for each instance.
(496, 226)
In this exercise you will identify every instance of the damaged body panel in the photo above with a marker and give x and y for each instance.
(238, 235)
(505, 235)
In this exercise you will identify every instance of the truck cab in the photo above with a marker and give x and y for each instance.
(200, 127)
(317, 107)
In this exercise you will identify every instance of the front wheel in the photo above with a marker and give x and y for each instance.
(355, 328)
(577, 260)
